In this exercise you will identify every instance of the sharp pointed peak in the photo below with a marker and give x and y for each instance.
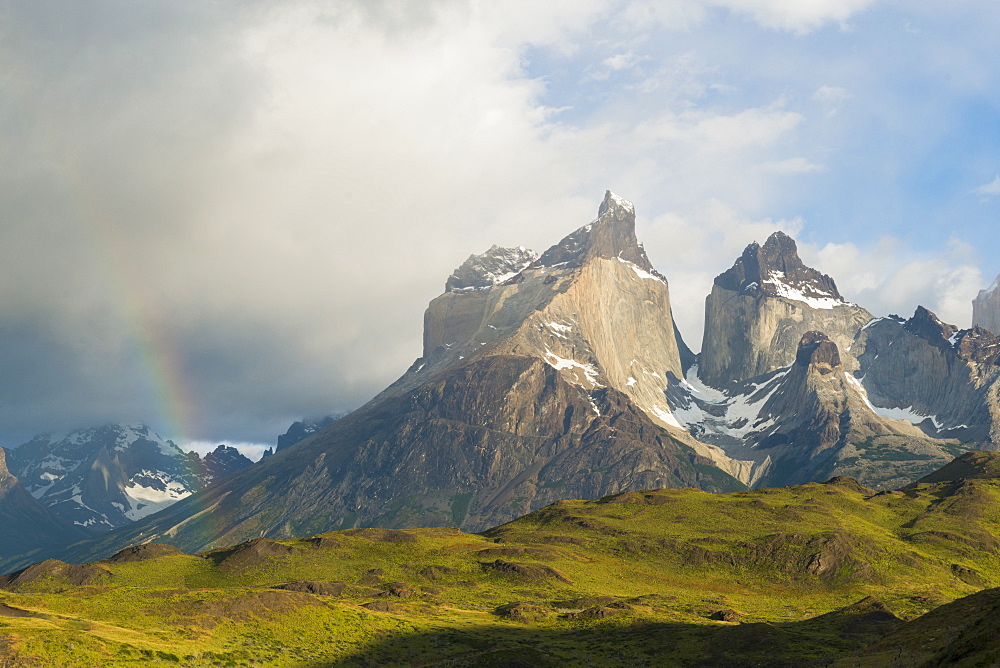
(775, 269)
(611, 236)
(613, 203)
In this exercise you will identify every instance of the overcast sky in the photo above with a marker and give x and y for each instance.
(220, 217)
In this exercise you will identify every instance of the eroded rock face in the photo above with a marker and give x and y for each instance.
(760, 308)
(986, 308)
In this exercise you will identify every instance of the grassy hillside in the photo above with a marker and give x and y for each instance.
(802, 575)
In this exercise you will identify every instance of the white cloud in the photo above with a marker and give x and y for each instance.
(798, 16)
(989, 189)
(892, 277)
(791, 166)
(622, 61)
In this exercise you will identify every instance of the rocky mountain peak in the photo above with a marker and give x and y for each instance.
(978, 345)
(494, 266)
(775, 270)
(611, 236)
(616, 206)
(817, 350)
(929, 327)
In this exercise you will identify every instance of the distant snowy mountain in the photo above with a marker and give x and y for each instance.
(110, 476)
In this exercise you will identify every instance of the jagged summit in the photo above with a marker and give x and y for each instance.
(611, 236)
(618, 205)
(925, 324)
(105, 476)
(775, 270)
(976, 344)
(491, 268)
(761, 307)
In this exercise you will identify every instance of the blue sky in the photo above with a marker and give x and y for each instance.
(221, 217)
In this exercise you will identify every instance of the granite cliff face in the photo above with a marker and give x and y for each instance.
(760, 308)
(986, 308)
(592, 307)
(546, 384)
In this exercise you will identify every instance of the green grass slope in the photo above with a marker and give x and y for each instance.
(804, 575)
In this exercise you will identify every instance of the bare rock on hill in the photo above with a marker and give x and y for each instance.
(526, 572)
(255, 552)
(319, 587)
(69, 574)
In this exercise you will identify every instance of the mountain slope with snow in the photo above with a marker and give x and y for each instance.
(110, 476)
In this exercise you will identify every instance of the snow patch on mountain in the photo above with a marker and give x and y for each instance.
(641, 273)
(907, 414)
(818, 300)
(152, 491)
(561, 363)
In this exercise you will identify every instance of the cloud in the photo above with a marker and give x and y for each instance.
(217, 219)
(799, 16)
(989, 189)
(791, 166)
(891, 277)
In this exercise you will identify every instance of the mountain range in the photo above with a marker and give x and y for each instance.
(563, 375)
(814, 487)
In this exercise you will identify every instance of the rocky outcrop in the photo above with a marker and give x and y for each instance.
(219, 463)
(481, 272)
(931, 373)
(986, 308)
(760, 308)
(303, 429)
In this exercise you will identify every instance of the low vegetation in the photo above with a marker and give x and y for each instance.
(804, 575)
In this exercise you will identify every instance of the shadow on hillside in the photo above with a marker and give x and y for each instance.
(814, 642)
